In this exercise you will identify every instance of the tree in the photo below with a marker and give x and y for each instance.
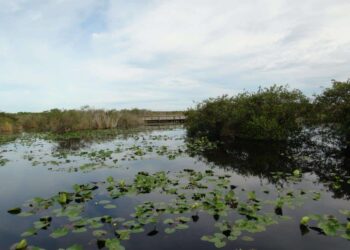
(333, 108)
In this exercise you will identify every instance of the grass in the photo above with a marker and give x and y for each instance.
(56, 120)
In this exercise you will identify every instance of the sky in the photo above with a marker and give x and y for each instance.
(165, 54)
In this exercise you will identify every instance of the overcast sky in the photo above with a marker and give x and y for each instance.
(164, 55)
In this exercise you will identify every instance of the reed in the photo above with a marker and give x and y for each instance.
(56, 120)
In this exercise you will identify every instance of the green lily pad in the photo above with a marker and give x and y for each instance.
(169, 230)
(79, 230)
(114, 244)
(110, 206)
(29, 232)
(247, 238)
(21, 245)
(99, 233)
(75, 247)
(59, 232)
(15, 210)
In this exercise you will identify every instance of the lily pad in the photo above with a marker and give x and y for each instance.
(59, 232)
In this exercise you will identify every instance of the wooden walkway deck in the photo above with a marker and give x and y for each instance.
(164, 119)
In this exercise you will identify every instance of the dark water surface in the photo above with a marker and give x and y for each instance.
(36, 167)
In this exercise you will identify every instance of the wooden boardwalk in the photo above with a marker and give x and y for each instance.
(164, 119)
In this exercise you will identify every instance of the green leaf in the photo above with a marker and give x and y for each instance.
(29, 232)
(25, 214)
(345, 212)
(123, 234)
(21, 245)
(41, 224)
(75, 247)
(206, 238)
(305, 220)
(219, 244)
(183, 219)
(168, 221)
(99, 233)
(181, 226)
(110, 179)
(114, 244)
(247, 238)
(110, 206)
(296, 173)
(62, 198)
(15, 210)
(95, 224)
(79, 230)
(169, 230)
(103, 202)
(59, 232)
(330, 226)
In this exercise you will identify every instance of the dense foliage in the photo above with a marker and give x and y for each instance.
(333, 109)
(273, 113)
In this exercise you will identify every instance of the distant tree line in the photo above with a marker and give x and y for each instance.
(273, 114)
(56, 120)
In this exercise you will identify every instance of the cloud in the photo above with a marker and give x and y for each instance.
(165, 54)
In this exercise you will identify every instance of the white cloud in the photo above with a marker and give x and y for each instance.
(165, 53)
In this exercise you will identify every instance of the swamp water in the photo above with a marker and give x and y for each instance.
(152, 189)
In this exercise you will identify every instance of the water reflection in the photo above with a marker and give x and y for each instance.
(259, 161)
(251, 158)
(79, 140)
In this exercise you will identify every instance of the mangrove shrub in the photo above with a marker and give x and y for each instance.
(333, 109)
(274, 113)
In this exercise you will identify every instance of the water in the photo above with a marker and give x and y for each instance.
(37, 167)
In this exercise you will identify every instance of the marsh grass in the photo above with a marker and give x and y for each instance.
(56, 120)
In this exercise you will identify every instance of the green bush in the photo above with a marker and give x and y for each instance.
(333, 109)
(274, 113)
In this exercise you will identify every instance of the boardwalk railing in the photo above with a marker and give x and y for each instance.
(164, 119)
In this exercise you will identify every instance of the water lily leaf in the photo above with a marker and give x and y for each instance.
(305, 220)
(114, 244)
(181, 226)
(345, 212)
(110, 206)
(169, 230)
(123, 234)
(29, 232)
(183, 219)
(219, 244)
(137, 230)
(21, 245)
(316, 196)
(296, 173)
(330, 226)
(232, 237)
(168, 221)
(99, 233)
(346, 235)
(59, 232)
(41, 224)
(79, 230)
(25, 214)
(104, 202)
(75, 247)
(247, 238)
(15, 210)
(62, 198)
